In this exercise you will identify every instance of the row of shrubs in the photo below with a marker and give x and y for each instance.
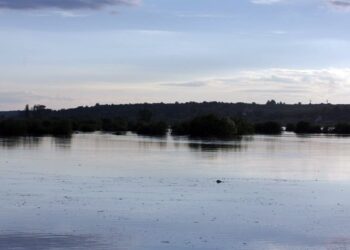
(16, 127)
(211, 126)
(302, 127)
(64, 127)
(308, 128)
(203, 126)
(208, 126)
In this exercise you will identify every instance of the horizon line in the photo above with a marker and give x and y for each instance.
(179, 103)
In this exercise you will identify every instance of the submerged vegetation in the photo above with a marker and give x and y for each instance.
(209, 126)
(268, 128)
(35, 127)
(150, 128)
(36, 122)
(65, 127)
(212, 126)
(307, 128)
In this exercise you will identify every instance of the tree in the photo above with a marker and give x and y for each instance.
(26, 111)
(39, 107)
(271, 102)
(269, 128)
(207, 126)
(303, 127)
(145, 115)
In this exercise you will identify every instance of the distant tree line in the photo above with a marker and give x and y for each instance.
(212, 126)
(303, 127)
(65, 127)
(320, 114)
(39, 121)
(35, 127)
(34, 122)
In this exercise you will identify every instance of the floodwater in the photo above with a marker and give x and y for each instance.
(102, 191)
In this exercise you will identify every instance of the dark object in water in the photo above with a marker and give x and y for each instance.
(219, 181)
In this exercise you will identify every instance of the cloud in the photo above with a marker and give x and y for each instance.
(335, 4)
(186, 84)
(267, 2)
(200, 15)
(340, 4)
(287, 85)
(23, 97)
(290, 85)
(63, 4)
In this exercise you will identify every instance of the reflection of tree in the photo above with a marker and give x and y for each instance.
(151, 141)
(215, 147)
(25, 142)
(63, 142)
(151, 144)
(233, 145)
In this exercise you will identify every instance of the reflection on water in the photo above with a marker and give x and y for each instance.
(196, 145)
(43, 241)
(34, 142)
(62, 142)
(145, 142)
(282, 157)
(24, 142)
(102, 191)
(213, 147)
(152, 143)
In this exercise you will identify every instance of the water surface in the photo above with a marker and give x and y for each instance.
(102, 191)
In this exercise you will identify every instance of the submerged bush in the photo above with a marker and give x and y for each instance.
(61, 128)
(36, 127)
(290, 127)
(151, 128)
(114, 125)
(342, 128)
(306, 128)
(269, 128)
(208, 126)
(244, 127)
(13, 127)
(182, 128)
(87, 125)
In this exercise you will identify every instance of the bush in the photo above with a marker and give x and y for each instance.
(306, 128)
(290, 127)
(209, 126)
(116, 125)
(151, 128)
(61, 128)
(269, 128)
(181, 129)
(342, 128)
(244, 127)
(38, 127)
(13, 128)
(87, 125)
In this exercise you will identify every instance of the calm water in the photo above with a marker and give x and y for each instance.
(102, 191)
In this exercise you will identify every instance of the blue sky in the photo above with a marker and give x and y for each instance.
(73, 52)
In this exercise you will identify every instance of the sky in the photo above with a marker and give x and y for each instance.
(67, 53)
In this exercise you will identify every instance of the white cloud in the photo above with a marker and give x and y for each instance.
(287, 85)
(266, 1)
(64, 5)
(340, 3)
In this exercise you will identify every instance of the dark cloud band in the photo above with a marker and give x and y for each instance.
(63, 4)
(340, 3)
